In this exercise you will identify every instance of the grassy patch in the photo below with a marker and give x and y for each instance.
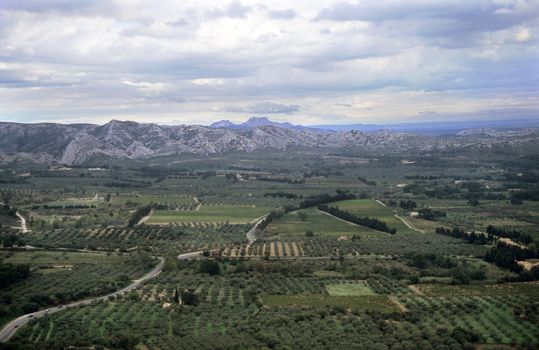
(371, 208)
(324, 273)
(59, 258)
(320, 223)
(233, 214)
(509, 289)
(366, 302)
(146, 199)
(360, 288)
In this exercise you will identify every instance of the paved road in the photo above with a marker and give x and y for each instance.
(9, 329)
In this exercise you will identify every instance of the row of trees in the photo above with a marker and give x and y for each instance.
(281, 194)
(509, 233)
(472, 237)
(408, 204)
(430, 214)
(366, 181)
(326, 198)
(373, 223)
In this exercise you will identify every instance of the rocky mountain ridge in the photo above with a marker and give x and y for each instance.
(77, 143)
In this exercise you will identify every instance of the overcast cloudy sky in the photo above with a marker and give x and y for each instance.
(305, 61)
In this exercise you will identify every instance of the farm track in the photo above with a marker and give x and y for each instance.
(145, 218)
(395, 301)
(10, 328)
(197, 203)
(251, 237)
(409, 225)
(24, 227)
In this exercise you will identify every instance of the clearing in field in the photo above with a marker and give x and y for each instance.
(370, 208)
(187, 200)
(358, 288)
(321, 224)
(233, 214)
(516, 288)
(64, 258)
(365, 302)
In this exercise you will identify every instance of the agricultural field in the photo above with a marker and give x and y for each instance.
(358, 288)
(266, 266)
(232, 214)
(371, 208)
(299, 222)
(57, 277)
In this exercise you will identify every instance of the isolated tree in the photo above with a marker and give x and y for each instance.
(6, 197)
(210, 267)
(189, 297)
(176, 296)
(302, 216)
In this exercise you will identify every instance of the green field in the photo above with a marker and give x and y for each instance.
(365, 302)
(59, 258)
(74, 202)
(233, 214)
(319, 223)
(146, 199)
(370, 208)
(359, 288)
(507, 289)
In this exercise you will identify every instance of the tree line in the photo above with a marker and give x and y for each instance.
(472, 237)
(509, 233)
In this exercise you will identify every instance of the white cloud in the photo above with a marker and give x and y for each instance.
(523, 35)
(200, 60)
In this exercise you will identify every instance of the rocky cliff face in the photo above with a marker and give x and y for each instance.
(78, 143)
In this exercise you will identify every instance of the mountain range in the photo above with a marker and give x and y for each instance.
(71, 144)
(255, 122)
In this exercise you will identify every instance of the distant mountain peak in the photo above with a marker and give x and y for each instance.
(222, 124)
(255, 122)
(258, 121)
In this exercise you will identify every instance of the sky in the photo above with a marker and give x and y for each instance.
(305, 61)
